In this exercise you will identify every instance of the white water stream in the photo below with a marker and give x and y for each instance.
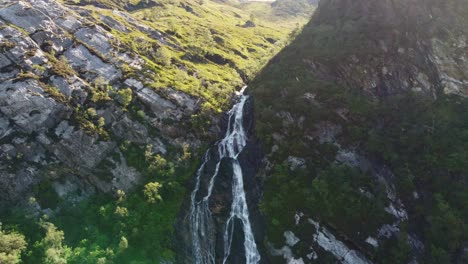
(201, 220)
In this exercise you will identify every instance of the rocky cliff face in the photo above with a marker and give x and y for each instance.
(368, 88)
(67, 102)
(393, 46)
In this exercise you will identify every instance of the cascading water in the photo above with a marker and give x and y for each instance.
(201, 220)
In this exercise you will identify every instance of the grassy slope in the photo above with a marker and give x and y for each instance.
(209, 54)
(212, 54)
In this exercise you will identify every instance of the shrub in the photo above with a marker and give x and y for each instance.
(151, 192)
(11, 246)
(124, 97)
(163, 56)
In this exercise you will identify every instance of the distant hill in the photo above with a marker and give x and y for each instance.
(294, 7)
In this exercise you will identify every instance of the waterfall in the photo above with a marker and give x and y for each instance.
(201, 221)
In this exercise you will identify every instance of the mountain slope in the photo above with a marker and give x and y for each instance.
(363, 116)
(103, 114)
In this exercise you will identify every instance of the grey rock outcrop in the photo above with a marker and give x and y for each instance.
(27, 106)
(54, 62)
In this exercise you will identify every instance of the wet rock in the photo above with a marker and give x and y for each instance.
(372, 241)
(328, 242)
(291, 239)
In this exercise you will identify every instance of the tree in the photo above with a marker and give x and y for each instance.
(151, 192)
(121, 211)
(54, 251)
(446, 226)
(11, 246)
(158, 164)
(123, 244)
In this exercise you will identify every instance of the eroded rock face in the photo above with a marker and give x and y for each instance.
(82, 60)
(412, 53)
(26, 104)
(53, 60)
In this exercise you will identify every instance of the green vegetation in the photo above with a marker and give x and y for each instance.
(285, 8)
(11, 246)
(210, 53)
(124, 97)
(422, 140)
(342, 197)
(6, 45)
(134, 227)
(60, 66)
(202, 48)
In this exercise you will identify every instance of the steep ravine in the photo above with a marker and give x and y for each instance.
(221, 223)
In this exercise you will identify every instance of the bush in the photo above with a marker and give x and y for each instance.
(124, 97)
(151, 192)
(11, 246)
(163, 56)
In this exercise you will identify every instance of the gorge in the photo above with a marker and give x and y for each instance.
(201, 222)
(128, 136)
